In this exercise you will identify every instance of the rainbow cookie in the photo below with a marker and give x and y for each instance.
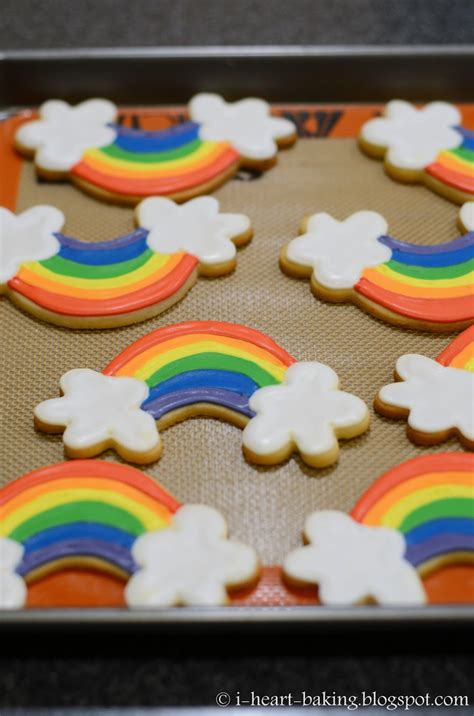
(205, 368)
(98, 519)
(353, 563)
(424, 287)
(430, 500)
(427, 145)
(87, 145)
(435, 395)
(121, 281)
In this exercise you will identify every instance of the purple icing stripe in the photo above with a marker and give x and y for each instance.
(116, 555)
(172, 401)
(459, 243)
(117, 243)
(441, 544)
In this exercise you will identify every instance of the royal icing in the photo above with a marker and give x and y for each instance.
(29, 236)
(192, 562)
(466, 216)
(430, 286)
(12, 586)
(430, 499)
(96, 409)
(63, 133)
(306, 411)
(339, 251)
(438, 398)
(195, 227)
(413, 137)
(246, 124)
(351, 562)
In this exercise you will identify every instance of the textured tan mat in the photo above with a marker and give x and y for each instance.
(202, 460)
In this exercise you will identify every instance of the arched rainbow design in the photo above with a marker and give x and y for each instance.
(86, 511)
(168, 162)
(201, 365)
(460, 353)
(105, 280)
(428, 284)
(454, 168)
(430, 499)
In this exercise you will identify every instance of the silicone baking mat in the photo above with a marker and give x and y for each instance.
(202, 459)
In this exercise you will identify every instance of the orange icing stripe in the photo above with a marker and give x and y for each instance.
(133, 301)
(194, 340)
(461, 344)
(407, 289)
(464, 182)
(90, 294)
(49, 488)
(374, 514)
(213, 328)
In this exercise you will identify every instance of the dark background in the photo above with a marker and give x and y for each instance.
(41, 669)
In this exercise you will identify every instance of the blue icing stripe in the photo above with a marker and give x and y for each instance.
(448, 525)
(198, 379)
(468, 138)
(447, 258)
(78, 531)
(124, 248)
(133, 140)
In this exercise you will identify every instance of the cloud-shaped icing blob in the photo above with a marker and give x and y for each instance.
(352, 563)
(307, 412)
(63, 133)
(438, 397)
(12, 587)
(195, 227)
(28, 236)
(190, 563)
(101, 411)
(339, 251)
(466, 216)
(246, 124)
(413, 137)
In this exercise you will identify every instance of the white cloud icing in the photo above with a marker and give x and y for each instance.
(351, 562)
(12, 587)
(466, 216)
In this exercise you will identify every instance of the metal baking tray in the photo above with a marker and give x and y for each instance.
(285, 75)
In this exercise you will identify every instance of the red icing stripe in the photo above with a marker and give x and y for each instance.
(456, 346)
(168, 185)
(442, 462)
(464, 182)
(438, 311)
(89, 469)
(134, 301)
(231, 330)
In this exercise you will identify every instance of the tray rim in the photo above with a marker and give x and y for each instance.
(240, 617)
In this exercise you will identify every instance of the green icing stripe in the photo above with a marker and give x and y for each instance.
(432, 273)
(451, 507)
(89, 511)
(65, 267)
(152, 157)
(213, 361)
(466, 155)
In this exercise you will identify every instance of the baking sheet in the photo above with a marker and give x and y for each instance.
(202, 459)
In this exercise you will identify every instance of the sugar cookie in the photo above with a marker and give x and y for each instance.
(107, 519)
(86, 144)
(423, 287)
(427, 145)
(221, 370)
(430, 500)
(121, 281)
(436, 396)
(353, 563)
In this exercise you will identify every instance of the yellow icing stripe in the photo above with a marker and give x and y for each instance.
(205, 151)
(156, 262)
(209, 346)
(396, 514)
(464, 280)
(46, 502)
